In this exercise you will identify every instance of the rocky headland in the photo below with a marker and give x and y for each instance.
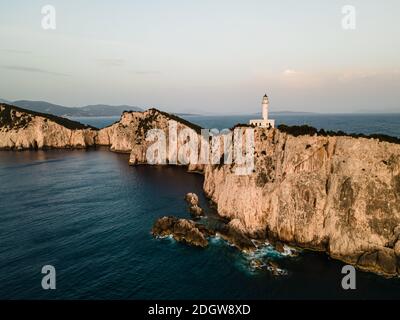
(336, 194)
(22, 129)
(322, 191)
(318, 190)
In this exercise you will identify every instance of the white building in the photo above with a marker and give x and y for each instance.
(264, 122)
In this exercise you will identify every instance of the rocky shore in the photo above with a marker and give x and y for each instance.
(322, 191)
(336, 194)
(182, 230)
(199, 234)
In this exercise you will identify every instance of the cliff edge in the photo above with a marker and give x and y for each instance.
(323, 191)
(24, 129)
(333, 193)
(336, 194)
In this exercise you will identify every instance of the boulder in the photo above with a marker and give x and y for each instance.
(193, 201)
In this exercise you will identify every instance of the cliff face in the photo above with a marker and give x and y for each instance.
(121, 135)
(129, 134)
(337, 194)
(24, 129)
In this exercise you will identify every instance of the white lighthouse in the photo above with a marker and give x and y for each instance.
(265, 107)
(264, 122)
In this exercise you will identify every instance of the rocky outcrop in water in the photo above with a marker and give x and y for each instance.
(193, 205)
(23, 129)
(182, 230)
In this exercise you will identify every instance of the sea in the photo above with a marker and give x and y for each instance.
(89, 214)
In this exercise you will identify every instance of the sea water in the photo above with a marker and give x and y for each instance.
(89, 215)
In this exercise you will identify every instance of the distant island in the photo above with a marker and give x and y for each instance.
(95, 110)
(98, 110)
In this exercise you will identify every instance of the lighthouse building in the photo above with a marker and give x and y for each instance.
(264, 122)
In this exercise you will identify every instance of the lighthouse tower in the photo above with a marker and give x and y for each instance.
(265, 107)
(264, 122)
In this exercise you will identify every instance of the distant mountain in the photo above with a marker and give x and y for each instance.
(100, 110)
(103, 110)
(43, 107)
(4, 101)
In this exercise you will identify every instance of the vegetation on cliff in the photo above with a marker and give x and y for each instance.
(9, 120)
(308, 130)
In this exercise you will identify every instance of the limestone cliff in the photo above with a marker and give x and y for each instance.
(129, 134)
(337, 194)
(334, 193)
(24, 129)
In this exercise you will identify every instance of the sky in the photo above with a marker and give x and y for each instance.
(208, 56)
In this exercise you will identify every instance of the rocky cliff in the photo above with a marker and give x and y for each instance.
(333, 193)
(129, 134)
(24, 129)
(336, 194)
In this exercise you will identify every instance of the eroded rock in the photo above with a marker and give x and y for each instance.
(193, 205)
(182, 230)
(234, 232)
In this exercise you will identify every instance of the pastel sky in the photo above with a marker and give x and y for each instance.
(216, 56)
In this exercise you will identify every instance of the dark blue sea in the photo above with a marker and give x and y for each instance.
(89, 215)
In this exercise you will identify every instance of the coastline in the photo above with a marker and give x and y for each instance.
(250, 220)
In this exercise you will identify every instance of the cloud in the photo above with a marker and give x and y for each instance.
(289, 72)
(34, 70)
(300, 79)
